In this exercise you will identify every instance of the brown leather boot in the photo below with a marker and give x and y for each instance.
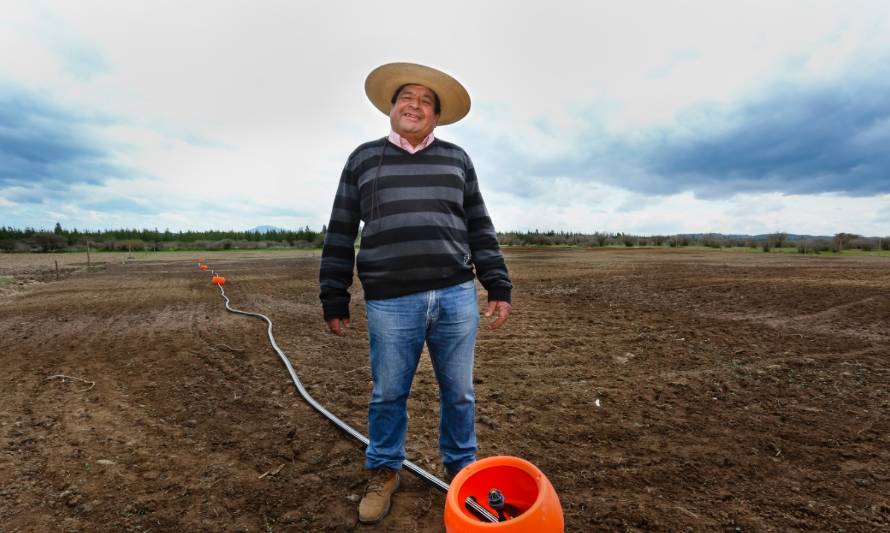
(375, 503)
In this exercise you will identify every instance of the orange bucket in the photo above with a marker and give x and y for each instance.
(202, 267)
(532, 505)
(218, 280)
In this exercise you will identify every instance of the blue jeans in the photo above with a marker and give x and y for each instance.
(446, 319)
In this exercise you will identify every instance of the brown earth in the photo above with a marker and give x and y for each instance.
(657, 389)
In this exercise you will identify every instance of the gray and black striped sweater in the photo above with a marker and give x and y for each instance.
(425, 226)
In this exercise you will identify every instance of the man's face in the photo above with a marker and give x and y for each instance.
(413, 116)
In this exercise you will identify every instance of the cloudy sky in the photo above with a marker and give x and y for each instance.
(643, 117)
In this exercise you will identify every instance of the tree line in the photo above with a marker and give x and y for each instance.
(62, 239)
(766, 243)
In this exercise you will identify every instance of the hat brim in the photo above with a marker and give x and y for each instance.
(383, 81)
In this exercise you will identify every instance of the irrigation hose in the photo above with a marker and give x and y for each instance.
(413, 468)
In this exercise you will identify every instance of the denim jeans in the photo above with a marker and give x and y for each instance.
(446, 319)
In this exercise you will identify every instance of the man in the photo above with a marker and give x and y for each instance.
(426, 236)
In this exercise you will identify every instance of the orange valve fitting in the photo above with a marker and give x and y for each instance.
(527, 501)
(218, 280)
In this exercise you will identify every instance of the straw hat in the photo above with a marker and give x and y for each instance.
(383, 81)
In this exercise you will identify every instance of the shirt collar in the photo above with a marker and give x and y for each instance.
(403, 143)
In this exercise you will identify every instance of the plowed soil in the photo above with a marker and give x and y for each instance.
(657, 389)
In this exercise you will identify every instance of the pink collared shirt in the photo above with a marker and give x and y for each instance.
(403, 143)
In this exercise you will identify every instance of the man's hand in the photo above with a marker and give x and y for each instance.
(501, 310)
(338, 326)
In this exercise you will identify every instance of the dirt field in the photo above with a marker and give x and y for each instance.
(658, 390)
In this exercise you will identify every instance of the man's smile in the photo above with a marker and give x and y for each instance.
(413, 113)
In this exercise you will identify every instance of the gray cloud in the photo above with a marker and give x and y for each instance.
(797, 140)
(803, 138)
(43, 145)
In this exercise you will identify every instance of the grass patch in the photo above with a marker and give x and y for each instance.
(6, 280)
(876, 253)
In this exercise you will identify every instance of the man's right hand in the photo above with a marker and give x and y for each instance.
(338, 326)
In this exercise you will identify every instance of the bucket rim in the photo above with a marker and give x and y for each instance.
(541, 482)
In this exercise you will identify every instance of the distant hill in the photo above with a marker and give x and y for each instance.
(265, 229)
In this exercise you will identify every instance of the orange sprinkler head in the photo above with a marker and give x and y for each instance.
(528, 502)
(218, 280)
(203, 267)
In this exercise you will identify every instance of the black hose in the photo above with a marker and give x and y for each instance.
(413, 468)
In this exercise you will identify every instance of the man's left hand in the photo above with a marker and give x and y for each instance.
(501, 310)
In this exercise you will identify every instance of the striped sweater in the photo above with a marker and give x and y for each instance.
(425, 226)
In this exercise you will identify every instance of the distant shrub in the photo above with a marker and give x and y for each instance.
(863, 244)
(679, 240)
(712, 241)
(766, 245)
(808, 246)
(778, 239)
(509, 239)
(885, 244)
(819, 245)
(48, 242)
(866, 244)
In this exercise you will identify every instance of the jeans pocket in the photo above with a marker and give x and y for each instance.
(468, 284)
